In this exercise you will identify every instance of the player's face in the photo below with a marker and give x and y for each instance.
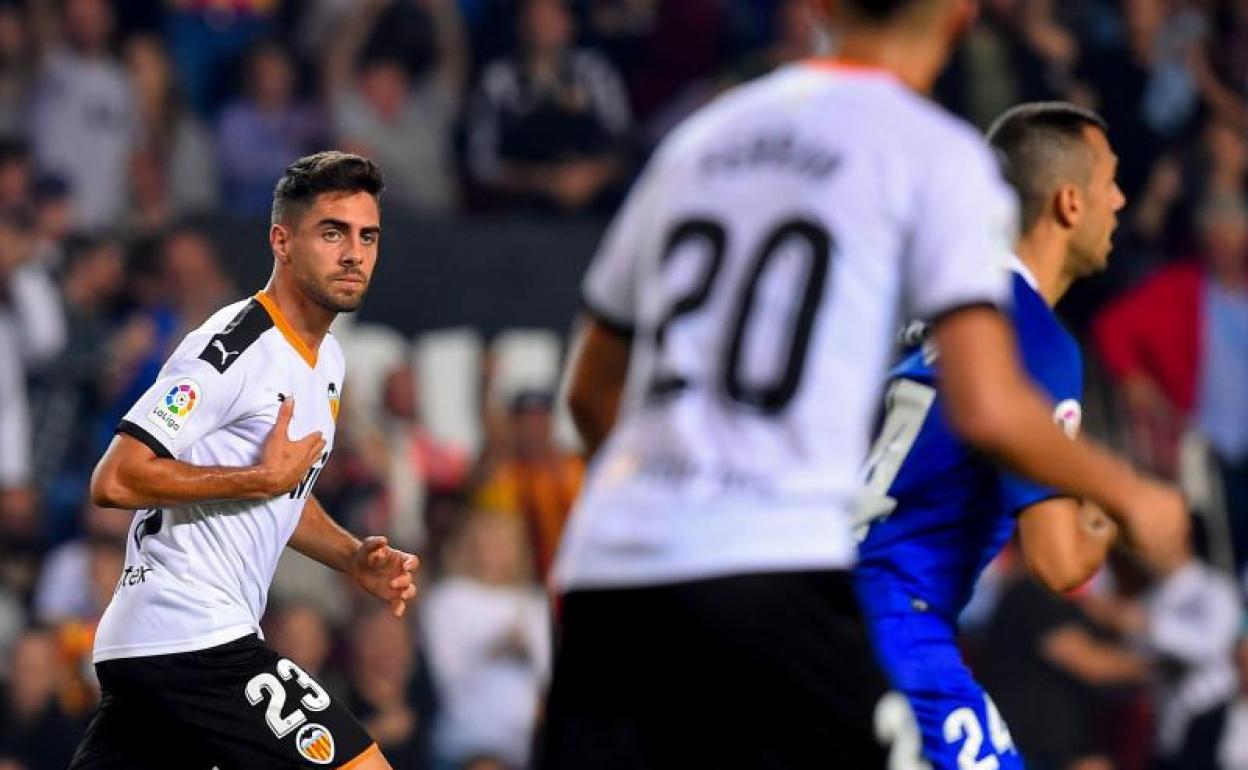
(1103, 199)
(333, 249)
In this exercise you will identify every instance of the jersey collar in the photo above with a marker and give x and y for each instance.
(1020, 267)
(288, 331)
(846, 66)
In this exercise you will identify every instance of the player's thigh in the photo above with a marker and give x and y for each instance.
(128, 732)
(594, 715)
(960, 726)
(262, 710)
(250, 708)
(784, 671)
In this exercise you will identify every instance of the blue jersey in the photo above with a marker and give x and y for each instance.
(935, 510)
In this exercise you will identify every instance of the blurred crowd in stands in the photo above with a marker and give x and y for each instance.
(126, 126)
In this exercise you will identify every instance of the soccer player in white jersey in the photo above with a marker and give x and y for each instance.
(206, 459)
(741, 312)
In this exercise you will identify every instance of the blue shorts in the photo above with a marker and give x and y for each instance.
(961, 727)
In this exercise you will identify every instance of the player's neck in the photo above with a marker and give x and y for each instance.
(1046, 260)
(309, 321)
(909, 59)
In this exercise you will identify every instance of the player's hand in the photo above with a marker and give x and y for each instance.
(1094, 521)
(285, 462)
(385, 572)
(1157, 524)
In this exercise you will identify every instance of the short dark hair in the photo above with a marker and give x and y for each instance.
(880, 10)
(329, 171)
(1032, 141)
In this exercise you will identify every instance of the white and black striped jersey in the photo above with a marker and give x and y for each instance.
(763, 263)
(198, 575)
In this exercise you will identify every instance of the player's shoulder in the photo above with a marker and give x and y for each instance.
(1050, 351)
(229, 336)
(331, 351)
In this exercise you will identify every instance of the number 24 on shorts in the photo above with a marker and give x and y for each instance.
(963, 725)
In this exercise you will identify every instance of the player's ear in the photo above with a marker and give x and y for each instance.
(279, 242)
(1068, 205)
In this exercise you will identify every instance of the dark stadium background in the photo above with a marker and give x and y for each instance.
(139, 142)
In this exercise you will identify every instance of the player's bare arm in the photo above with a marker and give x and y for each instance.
(598, 368)
(995, 407)
(385, 572)
(1064, 542)
(131, 476)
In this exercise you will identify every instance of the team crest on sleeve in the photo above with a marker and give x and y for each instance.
(335, 399)
(315, 744)
(176, 406)
(1069, 415)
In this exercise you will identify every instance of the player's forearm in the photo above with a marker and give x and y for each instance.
(1025, 437)
(1061, 548)
(319, 537)
(161, 482)
(598, 369)
(993, 405)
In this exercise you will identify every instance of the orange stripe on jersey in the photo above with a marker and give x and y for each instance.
(363, 755)
(844, 65)
(288, 331)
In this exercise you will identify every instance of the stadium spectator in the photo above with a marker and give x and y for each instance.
(488, 640)
(16, 56)
(176, 282)
(523, 472)
(675, 67)
(549, 122)
(797, 37)
(418, 466)
(1178, 346)
(82, 120)
(262, 132)
(207, 38)
(1221, 68)
(52, 212)
(16, 175)
(1191, 627)
(389, 689)
(192, 274)
(1233, 749)
(402, 119)
(302, 633)
(62, 591)
(173, 171)
(69, 392)
(36, 732)
(32, 333)
(1053, 671)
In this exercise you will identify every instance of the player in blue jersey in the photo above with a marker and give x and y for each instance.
(935, 511)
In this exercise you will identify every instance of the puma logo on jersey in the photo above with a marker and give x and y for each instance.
(225, 354)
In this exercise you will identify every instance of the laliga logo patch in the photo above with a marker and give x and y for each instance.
(315, 744)
(1069, 415)
(171, 412)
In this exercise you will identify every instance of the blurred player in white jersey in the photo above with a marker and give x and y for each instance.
(741, 313)
(220, 490)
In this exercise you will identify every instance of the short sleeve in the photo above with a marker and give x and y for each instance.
(1060, 377)
(189, 399)
(609, 292)
(963, 231)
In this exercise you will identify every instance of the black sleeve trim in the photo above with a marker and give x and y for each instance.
(606, 320)
(958, 308)
(137, 432)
